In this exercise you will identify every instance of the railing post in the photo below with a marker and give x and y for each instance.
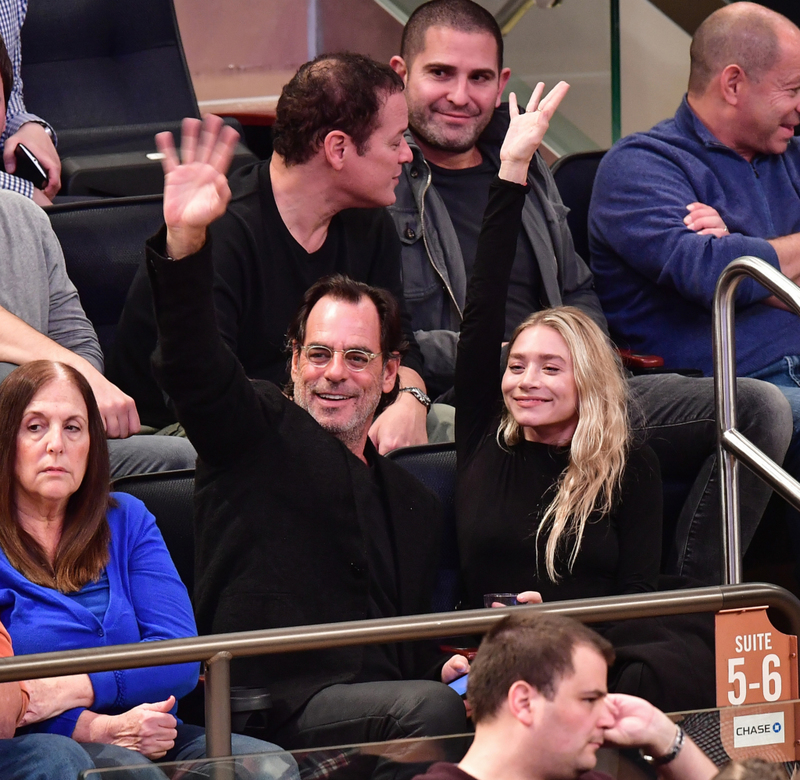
(725, 395)
(218, 705)
(732, 446)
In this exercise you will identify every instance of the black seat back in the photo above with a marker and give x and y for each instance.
(103, 243)
(434, 465)
(99, 63)
(575, 175)
(169, 495)
(108, 76)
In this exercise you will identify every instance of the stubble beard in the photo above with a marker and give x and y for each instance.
(349, 431)
(423, 126)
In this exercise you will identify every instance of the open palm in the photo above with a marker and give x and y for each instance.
(196, 190)
(195, 194)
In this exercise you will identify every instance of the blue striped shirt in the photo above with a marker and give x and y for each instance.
(12, 15)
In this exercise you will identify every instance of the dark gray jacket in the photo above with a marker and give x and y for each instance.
(434, 276)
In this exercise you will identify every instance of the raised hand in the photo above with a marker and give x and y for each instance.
(526, 131)
(638, 723)
(196, 191)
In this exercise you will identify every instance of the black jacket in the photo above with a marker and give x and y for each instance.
(278, 538)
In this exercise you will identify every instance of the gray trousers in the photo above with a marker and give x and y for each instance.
(141, 454)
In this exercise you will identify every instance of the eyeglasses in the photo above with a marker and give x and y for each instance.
(354, 359)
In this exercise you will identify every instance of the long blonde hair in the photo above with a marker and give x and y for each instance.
(599, 446)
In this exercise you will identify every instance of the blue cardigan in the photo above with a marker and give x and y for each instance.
(655, 277)
(147, 601)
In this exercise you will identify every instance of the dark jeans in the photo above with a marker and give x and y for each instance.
(375, 712)
(681, 428)
(355, 713)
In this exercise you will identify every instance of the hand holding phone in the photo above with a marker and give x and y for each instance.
(28, 167)
(459, 685)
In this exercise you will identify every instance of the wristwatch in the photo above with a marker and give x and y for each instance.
(677, 744)
(421, 396)
(46, 129)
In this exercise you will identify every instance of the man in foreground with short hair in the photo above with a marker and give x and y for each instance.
(451, 62)
(298, 519)
(541, 709)
(313, 209)
(672, 207)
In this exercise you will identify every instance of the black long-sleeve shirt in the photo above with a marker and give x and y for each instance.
(284, 513)
(503, 492)
(260, 276)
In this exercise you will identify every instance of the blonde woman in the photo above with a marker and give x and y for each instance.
(554, 501)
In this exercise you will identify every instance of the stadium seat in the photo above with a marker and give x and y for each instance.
(574, 175)
(434, 465)
(103, 243)
(108, 76)
(169, 495)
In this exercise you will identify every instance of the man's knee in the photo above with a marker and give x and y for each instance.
(764, 415)
(145, 454)
(430, 709)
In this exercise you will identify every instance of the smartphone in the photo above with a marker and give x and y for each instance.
(28, 167)
(459, 685)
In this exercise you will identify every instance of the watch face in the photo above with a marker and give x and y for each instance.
(418, 394)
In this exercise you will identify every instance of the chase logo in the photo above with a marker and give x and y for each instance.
(764, 729)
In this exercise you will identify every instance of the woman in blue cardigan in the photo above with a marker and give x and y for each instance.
(81, 568)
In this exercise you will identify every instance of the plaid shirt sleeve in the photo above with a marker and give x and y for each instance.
(10, 182)
(12, 16)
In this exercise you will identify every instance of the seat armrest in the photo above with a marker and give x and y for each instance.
(634, 361)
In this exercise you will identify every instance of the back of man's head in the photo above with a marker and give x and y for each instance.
(536, 649)
(341, 91)
(744, 34)
(462, 15)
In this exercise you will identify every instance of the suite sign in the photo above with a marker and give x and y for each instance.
(756, 678)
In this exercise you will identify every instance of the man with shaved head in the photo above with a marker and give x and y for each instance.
(673, 207)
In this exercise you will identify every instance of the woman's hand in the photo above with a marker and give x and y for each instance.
(50, 696)
(148, 729)
(525, 597)
(526, 131)
(529, 597)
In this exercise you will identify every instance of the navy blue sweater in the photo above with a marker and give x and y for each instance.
(655, 277)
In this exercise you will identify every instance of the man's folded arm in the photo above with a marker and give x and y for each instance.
(640, 219)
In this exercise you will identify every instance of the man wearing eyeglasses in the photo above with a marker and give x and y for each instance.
(298, 520)
(342, 388)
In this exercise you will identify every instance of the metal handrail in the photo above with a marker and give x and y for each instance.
(219, 649)
(732, 446)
